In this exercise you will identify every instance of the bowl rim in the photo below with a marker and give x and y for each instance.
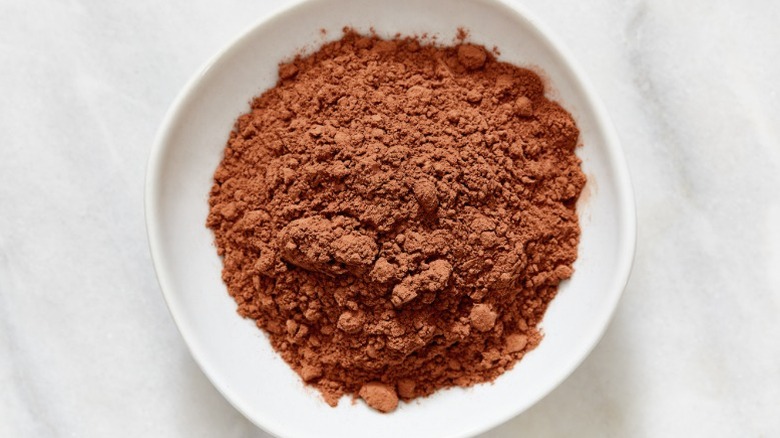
(624, 193)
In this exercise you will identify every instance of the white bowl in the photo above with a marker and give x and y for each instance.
(237, 357)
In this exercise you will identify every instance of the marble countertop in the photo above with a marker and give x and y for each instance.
(88, 349)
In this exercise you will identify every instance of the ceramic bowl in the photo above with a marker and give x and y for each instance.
(238, 358)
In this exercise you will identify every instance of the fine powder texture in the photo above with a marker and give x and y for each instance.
(397, 215)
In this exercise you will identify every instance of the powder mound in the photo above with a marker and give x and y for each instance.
(397, 216)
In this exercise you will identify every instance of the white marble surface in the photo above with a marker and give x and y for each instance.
(87, 347)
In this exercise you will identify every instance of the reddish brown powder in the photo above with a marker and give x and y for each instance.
(397, 216)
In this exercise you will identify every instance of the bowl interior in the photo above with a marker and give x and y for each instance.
(237, 357)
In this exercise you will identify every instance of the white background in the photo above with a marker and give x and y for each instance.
(87, 347)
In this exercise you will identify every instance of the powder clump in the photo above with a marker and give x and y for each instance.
(379, 396)
(471, 56)
(482, 317)
(397, 215)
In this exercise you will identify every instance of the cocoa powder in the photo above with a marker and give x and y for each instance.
(397, 215)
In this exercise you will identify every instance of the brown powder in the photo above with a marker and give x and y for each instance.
(397, 215)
